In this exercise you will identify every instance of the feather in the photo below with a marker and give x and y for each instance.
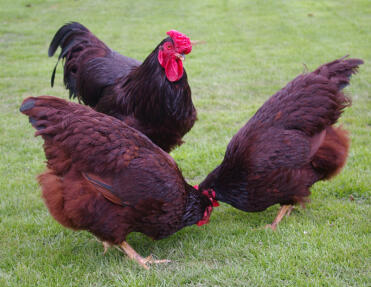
(105, 177)
(289, 144)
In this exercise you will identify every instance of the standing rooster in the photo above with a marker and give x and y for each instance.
(153, 97)
(288, 145)
(105, 177)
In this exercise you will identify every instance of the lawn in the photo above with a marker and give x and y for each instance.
(252, 49)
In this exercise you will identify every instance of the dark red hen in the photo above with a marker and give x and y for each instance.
(108, 178)
(288, 145)
(153, 97)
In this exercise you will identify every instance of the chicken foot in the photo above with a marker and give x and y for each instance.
(135, 256)
(285, 209)
(106, 245)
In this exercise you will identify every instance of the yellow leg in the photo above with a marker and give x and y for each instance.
(135, 256)
(290, 210)
(281, 213)
(106, 245)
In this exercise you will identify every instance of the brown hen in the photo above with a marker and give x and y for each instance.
(108, 178)
(288, 145)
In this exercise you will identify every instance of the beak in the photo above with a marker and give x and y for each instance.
(180, 56)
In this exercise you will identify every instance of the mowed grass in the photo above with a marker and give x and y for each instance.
(253, 49)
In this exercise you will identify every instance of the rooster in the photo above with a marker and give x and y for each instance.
(108, 178)
(153, 97)
(288, 145)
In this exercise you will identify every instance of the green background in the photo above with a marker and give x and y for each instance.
(253, 49)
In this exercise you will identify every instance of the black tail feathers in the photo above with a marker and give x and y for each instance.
(61, 39)
(62, 34)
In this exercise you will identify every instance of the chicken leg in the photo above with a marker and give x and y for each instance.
(135, 256)
(106, 245)
(281, 213)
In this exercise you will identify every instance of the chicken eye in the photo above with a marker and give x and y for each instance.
(168, 47)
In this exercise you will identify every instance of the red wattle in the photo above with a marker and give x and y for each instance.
(174, 70)
(206, 217)
(173, 66)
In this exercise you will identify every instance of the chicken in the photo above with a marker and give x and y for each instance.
(105, 177)
(153, 97)
(288, 145)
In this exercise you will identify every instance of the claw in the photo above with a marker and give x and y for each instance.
(106, 245)
(291, 208)
(149, 259)
(135, 256)
(285, 209)
(271, 226)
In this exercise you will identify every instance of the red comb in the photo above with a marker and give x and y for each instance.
(182, 42)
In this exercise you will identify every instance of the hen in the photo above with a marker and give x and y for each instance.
(288, 145)
(153, 97)
(105, 177)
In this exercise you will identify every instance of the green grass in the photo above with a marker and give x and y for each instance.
(253, 49)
